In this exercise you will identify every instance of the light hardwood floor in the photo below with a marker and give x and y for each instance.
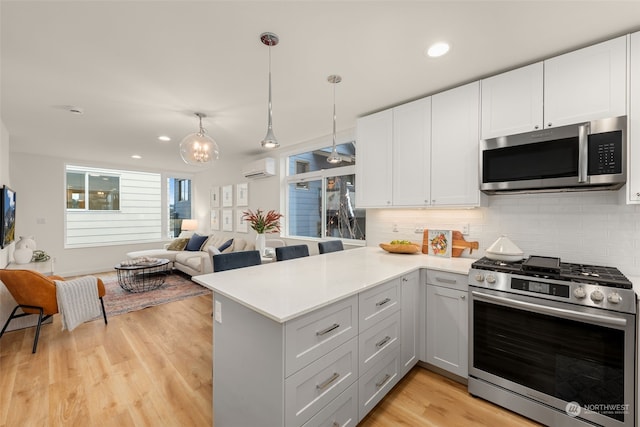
(153, 368)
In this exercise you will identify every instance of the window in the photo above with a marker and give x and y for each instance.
(179, 196)
(109, 207)
(102, 191)
(321, 196)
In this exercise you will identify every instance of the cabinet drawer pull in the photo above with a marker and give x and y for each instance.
(383, 302)
(331, 379)
(327, 330)
(383, 381)
(445, 280)
(383, 341)
(335, 424)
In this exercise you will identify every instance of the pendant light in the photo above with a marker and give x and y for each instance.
(269, 141)
(334, 157)
(197, 148)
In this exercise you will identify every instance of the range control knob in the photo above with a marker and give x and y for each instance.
(614, 298)
(579, 292)
(479, 277)
(596, 296)
(491, 278)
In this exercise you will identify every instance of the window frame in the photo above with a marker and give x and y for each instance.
(87, 190)
(299, 179)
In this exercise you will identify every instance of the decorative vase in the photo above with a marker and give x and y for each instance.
(22, 255)
(260, 243)
(26, 242)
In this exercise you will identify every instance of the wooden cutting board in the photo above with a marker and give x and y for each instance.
(458, 244)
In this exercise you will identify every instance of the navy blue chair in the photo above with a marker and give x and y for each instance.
(233, 260)
(330, 246)
(291, 252)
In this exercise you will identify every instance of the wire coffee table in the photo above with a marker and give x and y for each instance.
(143, 277)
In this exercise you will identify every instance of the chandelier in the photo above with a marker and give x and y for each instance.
(197, 148)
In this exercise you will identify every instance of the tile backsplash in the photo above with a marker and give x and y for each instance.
(586, 227)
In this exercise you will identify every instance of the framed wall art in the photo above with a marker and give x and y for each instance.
(241, 224)
(227, 196)
(242, 194)
(215, 197)
(215, 220)
(227, 220)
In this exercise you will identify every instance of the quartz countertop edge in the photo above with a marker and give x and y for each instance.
(288, 289)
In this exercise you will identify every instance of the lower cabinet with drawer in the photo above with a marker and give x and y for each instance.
(328, 367)
(447, 322)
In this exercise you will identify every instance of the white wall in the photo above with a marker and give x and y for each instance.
(586, 227)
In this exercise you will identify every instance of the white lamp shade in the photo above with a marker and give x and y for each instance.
(189, 224)
(198, 149)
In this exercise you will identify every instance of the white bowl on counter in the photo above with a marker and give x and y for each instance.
(504, 249)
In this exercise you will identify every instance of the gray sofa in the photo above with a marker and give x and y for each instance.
(197, 262)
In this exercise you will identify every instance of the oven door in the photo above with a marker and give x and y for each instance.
(551, 355)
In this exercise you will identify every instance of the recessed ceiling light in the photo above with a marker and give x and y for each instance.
(437, 49)
(164, 138)
(136, 156)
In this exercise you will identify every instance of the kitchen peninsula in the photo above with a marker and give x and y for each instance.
(301, 341)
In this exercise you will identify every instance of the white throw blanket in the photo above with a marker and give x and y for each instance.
(78, 301)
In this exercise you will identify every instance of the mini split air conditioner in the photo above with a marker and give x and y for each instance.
(260, 168)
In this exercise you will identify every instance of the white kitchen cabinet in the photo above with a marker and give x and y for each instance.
(447, 322)
(586, 84)
(412, 153)
(374, 137)
(583, 85)
(512, 102)
(633, 138)
(455, 127)
(410, 310)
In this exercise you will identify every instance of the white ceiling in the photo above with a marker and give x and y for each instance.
(140, 69)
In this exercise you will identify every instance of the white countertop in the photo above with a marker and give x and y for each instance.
(284, 290)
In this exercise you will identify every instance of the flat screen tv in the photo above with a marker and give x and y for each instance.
(8, 217)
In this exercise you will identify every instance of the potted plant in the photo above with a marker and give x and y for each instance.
(262, 223)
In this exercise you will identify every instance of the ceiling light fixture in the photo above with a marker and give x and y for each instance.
(197, 148)
(334, 157)
(269, 141)
(164, 138)
(136, 156)
(437, 49)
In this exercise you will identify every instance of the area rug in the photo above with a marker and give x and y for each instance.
(175, 288)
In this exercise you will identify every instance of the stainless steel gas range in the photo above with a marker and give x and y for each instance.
(553, 341)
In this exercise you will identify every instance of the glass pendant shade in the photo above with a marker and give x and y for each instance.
(197, 148)
(334, 157)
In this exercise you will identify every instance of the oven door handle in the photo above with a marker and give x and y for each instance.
(552, 311)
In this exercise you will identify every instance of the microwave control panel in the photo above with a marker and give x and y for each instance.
(605, 153)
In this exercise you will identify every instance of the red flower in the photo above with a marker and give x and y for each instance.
(261, 223)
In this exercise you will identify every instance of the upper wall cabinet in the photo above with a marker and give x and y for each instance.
(412, 153)
(455, 117)
(373, 167)
(583, 85)
(633, 139)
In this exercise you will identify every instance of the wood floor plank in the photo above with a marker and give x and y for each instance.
(153, 367)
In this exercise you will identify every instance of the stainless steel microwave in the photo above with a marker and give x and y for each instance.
(585, 156)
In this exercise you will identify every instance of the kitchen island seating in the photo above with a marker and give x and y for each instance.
(35, 293)
(233, 260)
(330, 246)
(291, 252)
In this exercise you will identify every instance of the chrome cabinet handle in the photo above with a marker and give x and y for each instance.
(445, 280)
(383, 302)
(463, 297)
(327, 330)
(383, 341)
(328, 381)
(383, 381)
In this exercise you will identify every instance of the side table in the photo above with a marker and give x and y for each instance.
(142, 277)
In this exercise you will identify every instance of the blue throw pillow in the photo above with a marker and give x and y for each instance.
(225, 245)
(195, 242)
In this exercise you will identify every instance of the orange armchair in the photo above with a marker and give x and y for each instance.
(35, 293)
